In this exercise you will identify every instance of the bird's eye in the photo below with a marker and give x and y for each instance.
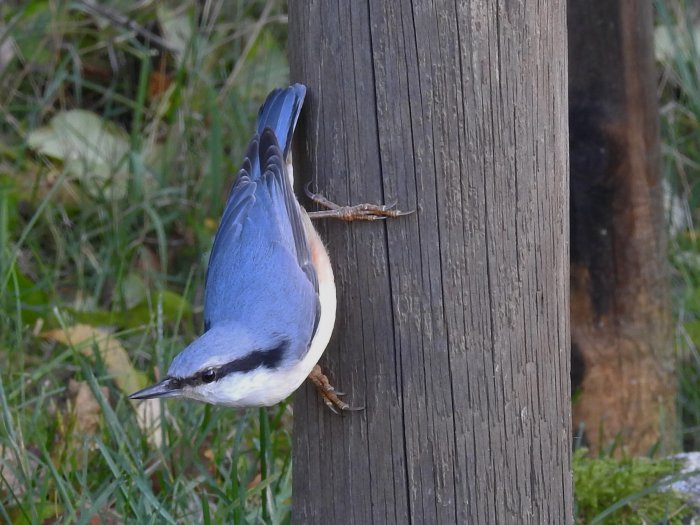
(209, 375)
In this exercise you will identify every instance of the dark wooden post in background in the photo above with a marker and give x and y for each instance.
(452, 323)
(620, 308)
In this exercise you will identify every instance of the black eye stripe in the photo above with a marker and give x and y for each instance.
(266, 358)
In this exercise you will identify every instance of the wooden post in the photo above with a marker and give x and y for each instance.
(452, 325)
(620, 308)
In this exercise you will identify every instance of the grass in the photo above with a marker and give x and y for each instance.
(679, 57)
(106, 216)
(623, 491)
(121, 125)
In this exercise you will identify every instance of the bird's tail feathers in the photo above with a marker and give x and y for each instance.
(280, 113)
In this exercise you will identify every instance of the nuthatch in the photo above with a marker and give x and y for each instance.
(269, 301)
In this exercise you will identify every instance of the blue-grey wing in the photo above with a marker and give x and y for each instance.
(279, 113)
(260, 269)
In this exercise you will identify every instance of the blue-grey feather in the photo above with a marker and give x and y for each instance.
(224, 344)
(260, 284)
(280, 113)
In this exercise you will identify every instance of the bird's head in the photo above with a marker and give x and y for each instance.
(227, 365)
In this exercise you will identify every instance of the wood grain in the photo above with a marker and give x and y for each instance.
(452, 323)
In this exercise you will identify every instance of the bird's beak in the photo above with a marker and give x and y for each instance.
(166, 388)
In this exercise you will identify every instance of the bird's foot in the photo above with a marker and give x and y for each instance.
(330, 397)
(359, 212)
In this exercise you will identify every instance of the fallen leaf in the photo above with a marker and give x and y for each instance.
(131, 291)
(117, 361)
(126, 377)
(91, 148)
(84, 407)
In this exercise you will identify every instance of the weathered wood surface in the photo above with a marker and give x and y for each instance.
(620, 308)
(452, 323)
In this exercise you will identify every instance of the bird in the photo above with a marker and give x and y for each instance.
(269, 292)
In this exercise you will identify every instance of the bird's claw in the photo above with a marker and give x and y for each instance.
(330, 397)
(358, 212)
(370, 212)
(309, 193)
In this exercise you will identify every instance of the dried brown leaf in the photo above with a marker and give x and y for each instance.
(84, 338)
